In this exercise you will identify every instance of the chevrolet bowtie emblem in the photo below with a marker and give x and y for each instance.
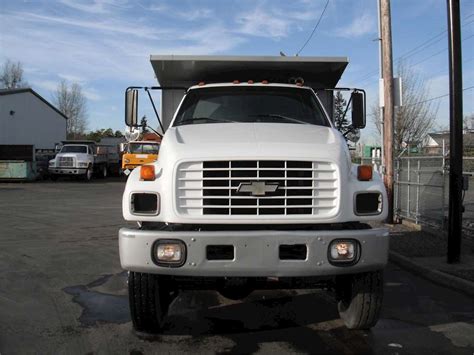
(257, 188)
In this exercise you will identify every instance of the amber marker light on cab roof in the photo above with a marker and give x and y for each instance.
(364, 172)
(147, 172)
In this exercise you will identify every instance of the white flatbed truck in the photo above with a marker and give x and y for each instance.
(80, 159)
(254, 189)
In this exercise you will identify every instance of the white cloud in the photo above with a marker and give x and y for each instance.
(72, 78)
(111, 26)
(362, 25)
(91, 94)
(262, 23)
(94, 6)
(49, 85)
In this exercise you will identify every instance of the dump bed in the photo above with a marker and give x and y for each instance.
(185, 71)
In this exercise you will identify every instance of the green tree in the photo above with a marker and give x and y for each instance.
(144, 124)
(118, 134)
(108, 132)
(340, 105)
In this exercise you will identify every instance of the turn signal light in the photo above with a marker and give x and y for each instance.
(364, 172)
(147, 172)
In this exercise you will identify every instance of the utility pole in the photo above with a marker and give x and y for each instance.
(455, 133)
(388, 111)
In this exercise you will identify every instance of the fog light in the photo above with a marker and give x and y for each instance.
(169, 253)
(343, 251)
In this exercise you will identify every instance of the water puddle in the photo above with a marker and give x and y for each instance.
(100, 307)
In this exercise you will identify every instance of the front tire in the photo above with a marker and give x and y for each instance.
(360, 299)
(88, 174)
(149, 301)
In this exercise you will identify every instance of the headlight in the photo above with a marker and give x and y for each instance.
(51, 163)
(171, 253)
(343, 252)
(126, 161)
(82, 164)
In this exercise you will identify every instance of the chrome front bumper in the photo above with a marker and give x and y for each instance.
(256, 253)
(67, 171)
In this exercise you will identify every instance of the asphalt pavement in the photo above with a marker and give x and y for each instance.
(62, 291)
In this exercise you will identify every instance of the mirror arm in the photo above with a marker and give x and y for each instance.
(156, 112)
(349, 130)
(159, 134)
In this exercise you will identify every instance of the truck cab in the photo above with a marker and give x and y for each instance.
(254, 189)
(137, 153)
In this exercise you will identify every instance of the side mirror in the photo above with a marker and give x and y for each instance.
(131, 108)
(358, 109)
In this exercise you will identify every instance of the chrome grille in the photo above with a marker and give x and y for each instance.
(215, 188)
(66, 162)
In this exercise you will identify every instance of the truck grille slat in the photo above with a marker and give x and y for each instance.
(67, 162)
(260, 187)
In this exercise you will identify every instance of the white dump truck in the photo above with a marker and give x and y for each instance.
(254, 189)
(80, 158)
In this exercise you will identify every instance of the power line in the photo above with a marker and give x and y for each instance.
(436, 98)
(367, 77)
(439, 52)
(315, 27)
(416, 49)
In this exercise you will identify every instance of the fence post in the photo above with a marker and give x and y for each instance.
(408, 187)
(417, 192)
(443, 171)
(397, 195)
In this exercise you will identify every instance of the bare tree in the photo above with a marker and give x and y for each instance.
(417, 115)
(11, 75)
(70, 100)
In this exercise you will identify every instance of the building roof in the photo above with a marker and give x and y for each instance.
(439, 137)
(4, 92)
(316, 71)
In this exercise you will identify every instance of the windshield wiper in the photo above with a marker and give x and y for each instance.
(274, 115)
(193, 120)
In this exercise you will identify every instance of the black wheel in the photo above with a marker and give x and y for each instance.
(360, 299)
(88, 175)
(53, 177)
(149, 301)
(103, 172)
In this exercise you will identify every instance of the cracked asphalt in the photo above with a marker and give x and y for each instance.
(62, 291)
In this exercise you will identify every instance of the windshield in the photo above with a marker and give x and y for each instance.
(251, 104)
(74, 149)
(144, 148)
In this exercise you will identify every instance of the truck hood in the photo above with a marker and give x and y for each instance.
(78, 156)
(252, 140)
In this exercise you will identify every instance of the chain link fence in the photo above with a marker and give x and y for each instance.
(421, 191)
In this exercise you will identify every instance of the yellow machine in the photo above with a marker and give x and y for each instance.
(137, 153)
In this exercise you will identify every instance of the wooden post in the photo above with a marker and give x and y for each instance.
(388, 112)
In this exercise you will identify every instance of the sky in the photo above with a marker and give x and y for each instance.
(105, 45)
